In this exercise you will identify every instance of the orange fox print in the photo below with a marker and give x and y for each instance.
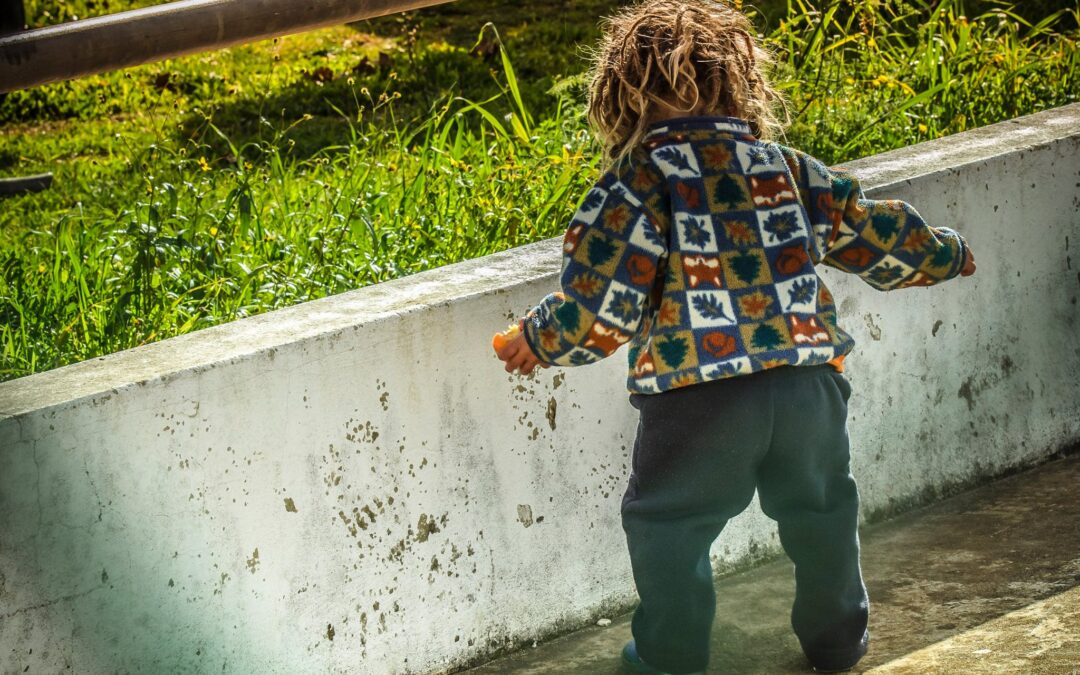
(771, 192)
(605, 338)
(572, 239)
(807, 331)
(644, 365)
(701, 269)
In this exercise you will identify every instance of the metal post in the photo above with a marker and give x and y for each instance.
(12, 17)
(13, 20)
(78, 48)
(15, 186)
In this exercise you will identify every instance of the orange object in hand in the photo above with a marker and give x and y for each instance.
(500, 340)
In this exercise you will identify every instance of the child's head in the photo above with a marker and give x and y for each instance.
(662, 58)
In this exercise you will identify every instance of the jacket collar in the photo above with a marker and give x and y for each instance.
(732, 125)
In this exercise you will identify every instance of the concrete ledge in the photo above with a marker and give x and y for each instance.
(1041, 638)
(354, 485)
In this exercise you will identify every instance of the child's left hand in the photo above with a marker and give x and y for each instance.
(969, 262)
(518, 356)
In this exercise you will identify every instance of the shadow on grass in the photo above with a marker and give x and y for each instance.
(443, 52)
(319, 110)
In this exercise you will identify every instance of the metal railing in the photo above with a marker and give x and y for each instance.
(79, 48)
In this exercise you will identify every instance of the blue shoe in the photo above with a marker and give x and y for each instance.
(634, 662)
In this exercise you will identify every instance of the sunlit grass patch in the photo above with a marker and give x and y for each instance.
(209, 237)
(869, 76)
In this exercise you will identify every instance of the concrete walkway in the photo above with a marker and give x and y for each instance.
(985, 582)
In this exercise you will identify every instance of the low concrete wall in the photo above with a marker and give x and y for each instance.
(355, 485)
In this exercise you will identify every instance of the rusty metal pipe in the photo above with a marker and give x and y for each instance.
(79, 48)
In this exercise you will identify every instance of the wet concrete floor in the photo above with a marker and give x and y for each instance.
(984, 582)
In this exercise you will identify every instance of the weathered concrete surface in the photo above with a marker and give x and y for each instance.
(354, 485)
(996, 568)
(1041, 639)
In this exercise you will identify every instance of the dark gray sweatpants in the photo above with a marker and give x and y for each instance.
(700, 453)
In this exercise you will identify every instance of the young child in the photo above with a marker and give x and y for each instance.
(698, 247)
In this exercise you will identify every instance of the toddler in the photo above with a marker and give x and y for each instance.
(698, 248)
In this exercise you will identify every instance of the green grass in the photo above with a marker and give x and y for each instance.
(886, 75)
(204, 189)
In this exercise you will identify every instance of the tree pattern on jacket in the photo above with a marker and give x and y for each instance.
(700, 251)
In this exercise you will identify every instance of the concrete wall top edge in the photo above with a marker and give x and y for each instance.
(952, 152)
(247, 338)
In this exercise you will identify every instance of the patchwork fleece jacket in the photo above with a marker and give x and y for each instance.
(700, 252)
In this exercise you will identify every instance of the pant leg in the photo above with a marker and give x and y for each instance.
(694, 465)
(805, 484)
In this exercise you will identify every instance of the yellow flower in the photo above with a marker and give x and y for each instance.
(849, 80)
(923, 128)
(203, 164)
(871, 43)
(213, 231)
(41, 268)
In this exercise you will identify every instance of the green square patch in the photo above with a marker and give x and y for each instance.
(743, 269)
(575, 320)
(600, 252)
(884, 225)
(728, 192)
(766, 336)
(675, 351)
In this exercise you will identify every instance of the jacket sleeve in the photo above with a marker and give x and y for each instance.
(611, 253)
(885, 242)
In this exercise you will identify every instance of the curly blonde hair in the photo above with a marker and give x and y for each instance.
(697, 57)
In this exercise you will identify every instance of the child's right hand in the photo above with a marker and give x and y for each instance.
(512, 348)
(969, 262)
